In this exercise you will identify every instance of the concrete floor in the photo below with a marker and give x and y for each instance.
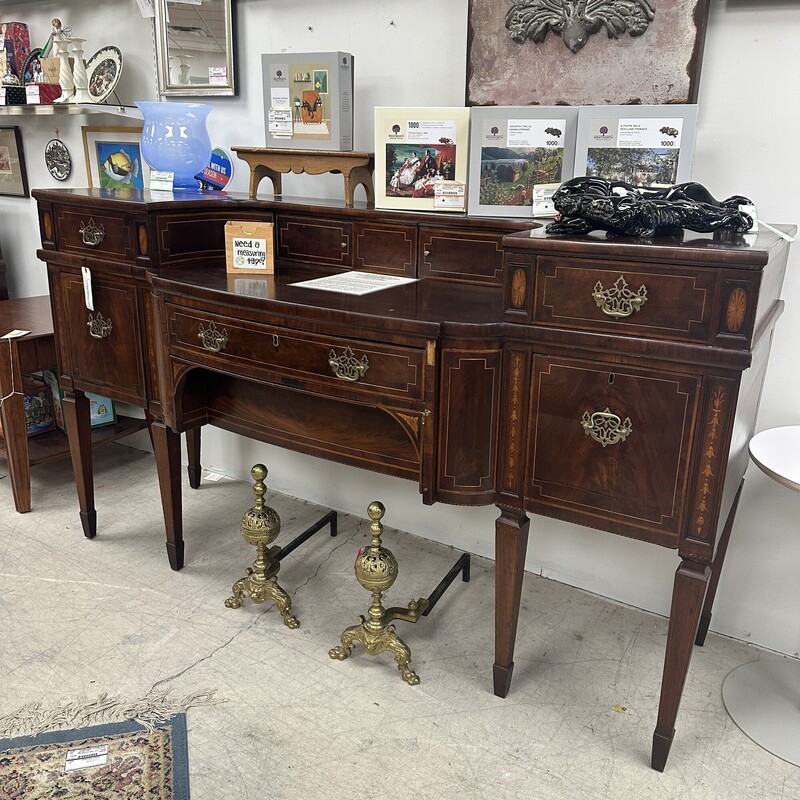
(82, 617)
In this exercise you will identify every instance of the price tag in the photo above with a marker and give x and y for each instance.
(32, 94)
(86, 757)
(2, 96)
(87, 288)
(161, 180)
(218, 76)
(449, 195)
(280, 122)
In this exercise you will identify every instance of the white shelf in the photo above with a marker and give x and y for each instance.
(71, 108)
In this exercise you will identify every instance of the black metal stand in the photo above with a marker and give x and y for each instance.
(462, 566)
(331, 517)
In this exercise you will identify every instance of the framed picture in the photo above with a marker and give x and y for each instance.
(114, 158)
(13, 177)
(641, 145)
(556, 52)
(518, 154)
(421, 158)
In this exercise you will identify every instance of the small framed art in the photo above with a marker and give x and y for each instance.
(114, 158)
(640, 145)
(517, 151)
(421, 158)
(13, 177)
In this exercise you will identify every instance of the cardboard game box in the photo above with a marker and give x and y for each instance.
(308, 100)
(101, 409)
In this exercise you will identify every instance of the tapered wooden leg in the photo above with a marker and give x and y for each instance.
(511, 543)
(79, 430)
(193, 454)
(15, 433)
(688, 593)
(167, 447)
(716, 570)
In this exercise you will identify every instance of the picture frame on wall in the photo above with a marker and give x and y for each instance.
(421, 158)
(640, 145)
(114, 158)
(13, 176)
(518, 156)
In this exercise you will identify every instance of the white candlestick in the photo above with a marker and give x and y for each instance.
(81, 81)
(64, 71)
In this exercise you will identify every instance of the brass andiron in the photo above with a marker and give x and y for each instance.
(260, 526)
(376, 570)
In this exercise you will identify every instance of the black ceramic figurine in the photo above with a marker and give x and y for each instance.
(588, 204)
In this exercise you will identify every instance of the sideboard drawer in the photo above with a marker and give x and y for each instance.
(104, 345)
(458, 254)
(93, 233)
(314, 239)
(294, 358)
(609, 445)
(659, 301)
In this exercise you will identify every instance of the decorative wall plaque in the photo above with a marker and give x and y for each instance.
(617, 51)
(58, 159)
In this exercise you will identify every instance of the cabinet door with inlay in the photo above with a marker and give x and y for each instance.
(391, 249)
(459, 254)
(609, 445)
(315, 239)
(104, 346)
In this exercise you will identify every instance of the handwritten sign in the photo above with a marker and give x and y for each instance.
(249, 247)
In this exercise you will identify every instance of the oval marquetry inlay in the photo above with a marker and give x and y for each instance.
(518, 286)
(47, 224)
(143, 242)
(737, 308)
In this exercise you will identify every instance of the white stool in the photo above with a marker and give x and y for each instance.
(763, 697)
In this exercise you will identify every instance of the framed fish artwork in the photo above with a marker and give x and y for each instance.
(114, 158)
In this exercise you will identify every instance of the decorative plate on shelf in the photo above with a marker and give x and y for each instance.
(103, 70)
(32, 68)
(58, 159)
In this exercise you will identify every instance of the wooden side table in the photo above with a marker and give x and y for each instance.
(269, 162)
(763, 697)
(31, 353)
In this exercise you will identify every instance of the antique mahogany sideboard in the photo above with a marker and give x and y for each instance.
(608, 382)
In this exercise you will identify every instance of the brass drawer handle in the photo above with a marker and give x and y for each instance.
(92, 234)
(346, 366)
(99, 328)
(605, 427)
(619, 301)
(213, 339)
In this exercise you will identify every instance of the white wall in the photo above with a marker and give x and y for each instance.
(749, 122)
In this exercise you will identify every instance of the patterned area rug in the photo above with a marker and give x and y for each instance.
(117, 761)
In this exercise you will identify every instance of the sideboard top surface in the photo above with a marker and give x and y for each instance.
(418, 307)
(751, 251)
(145, 201)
